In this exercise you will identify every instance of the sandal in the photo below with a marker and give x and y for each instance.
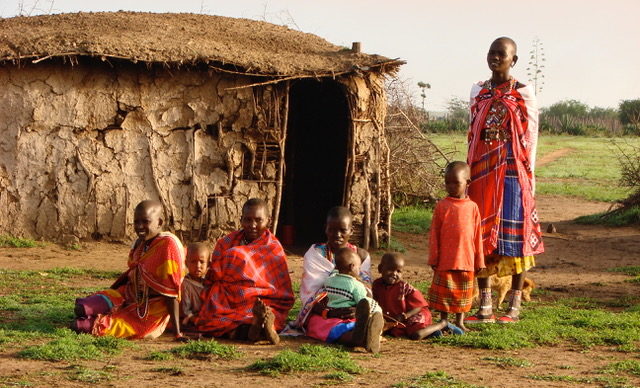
(453, 329)
(479, 318)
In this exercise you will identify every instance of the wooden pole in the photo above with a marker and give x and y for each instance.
(281, 170)
(356, 47)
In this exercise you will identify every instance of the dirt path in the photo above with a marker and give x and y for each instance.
(574, 265)
(553, 155)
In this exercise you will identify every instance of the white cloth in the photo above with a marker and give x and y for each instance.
(316, 269)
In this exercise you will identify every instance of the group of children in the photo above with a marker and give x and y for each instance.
(397, 308)
(391, 305)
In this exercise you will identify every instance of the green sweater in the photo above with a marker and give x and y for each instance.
(344, 291)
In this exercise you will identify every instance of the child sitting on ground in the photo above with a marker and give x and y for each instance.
(198, 256)
(345, 290)
(455, 246)
(405, 309)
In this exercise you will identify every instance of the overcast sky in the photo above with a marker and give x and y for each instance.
(592, 48)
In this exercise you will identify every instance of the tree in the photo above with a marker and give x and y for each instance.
(630, 113)
(423, 92)
(536, 64)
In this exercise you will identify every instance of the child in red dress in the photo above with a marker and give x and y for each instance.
(404, 307)
(455, 246)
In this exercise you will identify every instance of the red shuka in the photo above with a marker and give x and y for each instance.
(238, 275)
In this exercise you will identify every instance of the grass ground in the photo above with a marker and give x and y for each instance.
(589, 169)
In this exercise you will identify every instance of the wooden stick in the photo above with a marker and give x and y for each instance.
(422, 135)
(281, 168)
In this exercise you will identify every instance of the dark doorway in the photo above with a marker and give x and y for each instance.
(316, 155)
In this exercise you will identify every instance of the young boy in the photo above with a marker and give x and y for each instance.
(404, 307)
(455, 246)
(345, 290)
(198, 255)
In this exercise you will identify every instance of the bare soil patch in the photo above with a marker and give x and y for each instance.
(574, 265)
(551, 156)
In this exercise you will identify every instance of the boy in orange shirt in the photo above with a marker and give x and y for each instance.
(455, 246)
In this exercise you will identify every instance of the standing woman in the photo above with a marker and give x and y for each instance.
(503, 135)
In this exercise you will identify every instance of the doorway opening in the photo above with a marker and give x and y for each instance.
(315, 156)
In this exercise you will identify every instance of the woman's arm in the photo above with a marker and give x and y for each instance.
(174, 311)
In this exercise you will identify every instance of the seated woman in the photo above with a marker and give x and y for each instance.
(247, 291)
(145, 298)
(315, 319)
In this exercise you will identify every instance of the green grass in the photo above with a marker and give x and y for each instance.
(206, 350)
(41, 301)
(505, 362)
(308, 358)
(297, 305)
(573, 321)
(608, 382)
(633, 270)
(412, 219)
(88, 375)
(590, 171)
(626, 366)
(630, 216)
(393, 246)
(69, 346)
(439, 379)
(17, 242)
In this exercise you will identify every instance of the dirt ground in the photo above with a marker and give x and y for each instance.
(573, 265)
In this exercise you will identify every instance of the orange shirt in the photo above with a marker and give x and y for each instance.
(456, 240)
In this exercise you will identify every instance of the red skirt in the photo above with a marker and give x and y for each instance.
(451, 291)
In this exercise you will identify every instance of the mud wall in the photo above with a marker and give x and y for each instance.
(367, 191)
(81, 145)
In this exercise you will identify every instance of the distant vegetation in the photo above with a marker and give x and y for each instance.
(569, 117)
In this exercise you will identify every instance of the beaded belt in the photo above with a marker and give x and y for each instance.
(494, 134)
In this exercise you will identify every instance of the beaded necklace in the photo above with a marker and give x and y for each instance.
(141, 288)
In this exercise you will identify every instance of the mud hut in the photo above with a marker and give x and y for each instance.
(101, 110)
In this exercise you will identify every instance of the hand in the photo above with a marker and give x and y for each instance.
(401, 317)
(187, 319)
(342, 313)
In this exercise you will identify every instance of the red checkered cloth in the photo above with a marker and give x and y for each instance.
(451, 291)
(488, 162)
(399, 298)
(238, 275)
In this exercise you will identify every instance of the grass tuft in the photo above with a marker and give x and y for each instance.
(17, 242)
(308, 358)
(438, 379)
(206, 350)
(505, 362)
(628, 366)
(87, 375)
(608, 382)
(69, 346)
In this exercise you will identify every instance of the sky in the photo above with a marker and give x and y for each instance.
(592, 48)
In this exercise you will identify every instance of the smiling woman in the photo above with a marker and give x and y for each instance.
(144, 299)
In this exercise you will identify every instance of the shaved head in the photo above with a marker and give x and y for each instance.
(255, 202)
(346, 258)
(338, 213)
(508, 41)
(458, 166)
(151, 207)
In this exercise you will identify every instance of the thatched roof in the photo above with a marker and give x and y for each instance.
(179, 39)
